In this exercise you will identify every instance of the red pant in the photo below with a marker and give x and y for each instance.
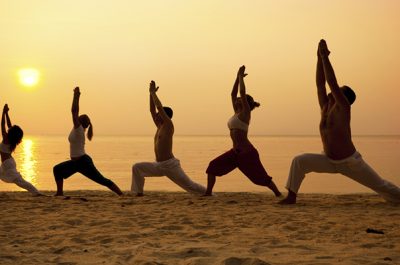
(248, 162)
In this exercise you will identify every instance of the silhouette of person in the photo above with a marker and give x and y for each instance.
(243, 155)
(166, 164)
(340, 154)
(11, 138)
(80, 161)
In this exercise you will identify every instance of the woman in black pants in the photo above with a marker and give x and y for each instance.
(80, 161)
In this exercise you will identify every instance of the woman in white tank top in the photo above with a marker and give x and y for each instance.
(11, 138)
(80, 161)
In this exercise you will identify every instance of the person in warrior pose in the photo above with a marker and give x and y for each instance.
(11, 138)
(166, 164)
(340, 154)
(80, 161)
(243, 155)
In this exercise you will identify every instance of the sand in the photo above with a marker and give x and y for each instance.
(96, 227)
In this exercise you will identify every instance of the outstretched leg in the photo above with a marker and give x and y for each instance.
(87, 168)
(175, 173)
(250, 164)
(27, 186)
(357, 169)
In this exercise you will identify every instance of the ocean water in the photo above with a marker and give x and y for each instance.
(115, 155)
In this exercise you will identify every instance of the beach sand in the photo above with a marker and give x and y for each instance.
(96, 227)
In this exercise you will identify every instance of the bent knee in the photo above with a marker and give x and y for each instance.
(57, 172)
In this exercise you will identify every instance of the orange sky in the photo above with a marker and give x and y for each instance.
(192, 49)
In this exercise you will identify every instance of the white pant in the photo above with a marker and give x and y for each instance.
(10, 174)
(353, 167)
(170, 168)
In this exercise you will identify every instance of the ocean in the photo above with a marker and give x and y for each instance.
(115, 155)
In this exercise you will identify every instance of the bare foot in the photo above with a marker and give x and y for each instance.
(287, 201)
(59, 194)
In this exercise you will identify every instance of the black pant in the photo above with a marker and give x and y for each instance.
(83, 165)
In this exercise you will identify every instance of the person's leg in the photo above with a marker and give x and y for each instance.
(301, 165)
(61, 172)
(250, 164)
(220, 166)
(175, 173)
(139, 172)
(357, 169)
(88, 169)
(210, 184)
(20, 182)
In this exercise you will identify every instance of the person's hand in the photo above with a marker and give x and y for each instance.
(77, 91)
(5, 109)
(153, 87)
(323, 48)
(241, 72)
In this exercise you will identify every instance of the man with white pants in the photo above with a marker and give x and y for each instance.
(340, 154)
(166, 164)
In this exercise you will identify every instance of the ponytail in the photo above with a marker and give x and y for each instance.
(253, 104)
(90, 132)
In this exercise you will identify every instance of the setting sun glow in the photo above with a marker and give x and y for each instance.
(28, 77)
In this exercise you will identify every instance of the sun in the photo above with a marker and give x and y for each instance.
(28, 77)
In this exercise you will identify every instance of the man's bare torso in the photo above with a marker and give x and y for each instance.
(335, 131)
(163, 142)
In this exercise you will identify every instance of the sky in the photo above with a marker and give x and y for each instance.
(192, 49)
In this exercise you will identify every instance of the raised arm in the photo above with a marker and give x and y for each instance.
(5, 117)
(330, 74)
(320, 80)
(234, 92)
(75, 107)
(153, 110)
(157, 103)
(243, 96)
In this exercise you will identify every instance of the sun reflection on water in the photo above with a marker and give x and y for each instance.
(28, 162)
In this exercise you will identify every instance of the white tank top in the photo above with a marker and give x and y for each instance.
(77, 142)
(5, 148)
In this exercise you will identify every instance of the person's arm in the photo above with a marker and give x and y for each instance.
(75, 108)
(157, 102)
(152, 106)
(3, 122)
(330, 74)
(234, 92)
(320, 80)
(244, 115)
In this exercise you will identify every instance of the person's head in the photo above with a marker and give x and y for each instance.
(14, 136)
(85, 122)
(169, 112)
(349, 93)
(253, 104)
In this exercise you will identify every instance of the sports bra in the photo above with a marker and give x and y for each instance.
(235, 123)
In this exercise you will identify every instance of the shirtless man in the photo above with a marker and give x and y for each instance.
(166, 164)
(340, 154)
